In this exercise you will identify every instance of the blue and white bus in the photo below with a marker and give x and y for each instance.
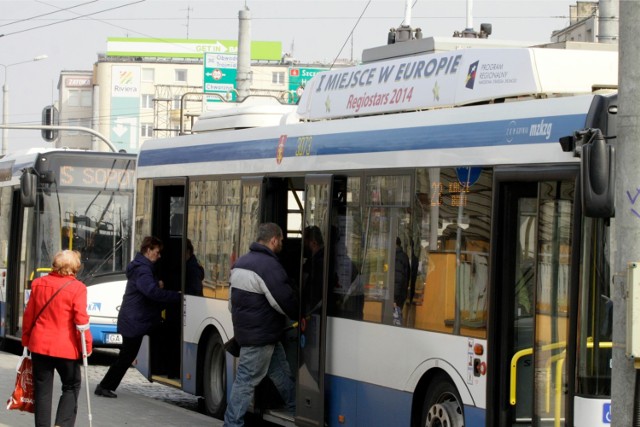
(452, 158)
(66, 199)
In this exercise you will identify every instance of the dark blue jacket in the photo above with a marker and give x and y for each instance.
(194, 277)
(261, 297)
(143, 299)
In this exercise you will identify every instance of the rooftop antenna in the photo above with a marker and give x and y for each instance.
(469, 32)
(404, 32)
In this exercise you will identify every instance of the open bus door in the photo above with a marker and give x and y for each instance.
(535, 265)
(159, 358)
(322, 195)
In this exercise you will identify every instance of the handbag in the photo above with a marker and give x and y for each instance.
(22, 396)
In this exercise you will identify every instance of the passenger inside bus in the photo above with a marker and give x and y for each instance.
(312, 280)
(71, 240)
(194, 272)
(401, 283)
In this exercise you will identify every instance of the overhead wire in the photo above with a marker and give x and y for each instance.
(350, 34)
(31, 18)
(72, 19)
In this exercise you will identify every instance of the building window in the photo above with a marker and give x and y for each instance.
(79, 98)
(277, 77)
(148, 74)
(146, 129)
(146, 101)
(181, 75)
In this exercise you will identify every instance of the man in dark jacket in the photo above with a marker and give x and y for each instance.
(142, 304)
(261, 301)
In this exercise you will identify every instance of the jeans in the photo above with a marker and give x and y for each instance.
(255, 363)
(69, 371)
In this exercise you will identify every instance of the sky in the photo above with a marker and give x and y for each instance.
(72, 33)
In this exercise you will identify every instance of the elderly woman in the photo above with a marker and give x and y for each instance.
(58, 303)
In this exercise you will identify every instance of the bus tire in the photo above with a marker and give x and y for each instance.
(442, 404)
(214, 381)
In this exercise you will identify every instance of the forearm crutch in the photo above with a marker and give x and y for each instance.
(83, 329)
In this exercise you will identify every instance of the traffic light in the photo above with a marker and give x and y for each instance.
(49, 118)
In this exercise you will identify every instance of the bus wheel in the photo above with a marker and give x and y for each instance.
(442, 405)
(215, 378)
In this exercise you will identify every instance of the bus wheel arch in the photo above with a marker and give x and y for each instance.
(213, 375)
(437, 402)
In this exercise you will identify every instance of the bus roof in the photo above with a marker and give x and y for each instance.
(455, 78)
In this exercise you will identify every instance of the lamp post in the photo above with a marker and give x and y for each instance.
(5, 100)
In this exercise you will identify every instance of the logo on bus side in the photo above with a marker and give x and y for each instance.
(537, 129)
(280, 149)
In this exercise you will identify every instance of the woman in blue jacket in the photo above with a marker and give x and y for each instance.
(143, 301)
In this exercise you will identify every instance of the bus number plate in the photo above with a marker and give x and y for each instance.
(113, 339)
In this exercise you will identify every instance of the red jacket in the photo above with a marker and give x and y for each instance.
(55, 333)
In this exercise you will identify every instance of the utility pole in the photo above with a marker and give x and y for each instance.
(243, 77)
(627, 219)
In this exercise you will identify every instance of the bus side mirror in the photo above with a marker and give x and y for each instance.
(28, 187)
(598, 177)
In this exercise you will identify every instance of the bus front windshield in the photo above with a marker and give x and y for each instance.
(95, 223)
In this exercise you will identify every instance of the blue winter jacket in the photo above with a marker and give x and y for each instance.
(143, 299)
(261, 297)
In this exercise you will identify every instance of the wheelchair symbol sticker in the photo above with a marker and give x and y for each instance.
(606, 413)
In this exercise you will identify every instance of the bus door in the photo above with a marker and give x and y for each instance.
(15, 278)
(322, 194)
(160, 355)
(534, 268)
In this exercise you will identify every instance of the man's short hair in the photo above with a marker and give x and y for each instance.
(267, 231)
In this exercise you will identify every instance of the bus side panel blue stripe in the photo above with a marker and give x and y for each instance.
(474, 417)
(360, 404)
(189, 365)
(479, 134)
(368, 405)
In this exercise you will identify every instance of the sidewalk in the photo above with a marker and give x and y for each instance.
(132, 407)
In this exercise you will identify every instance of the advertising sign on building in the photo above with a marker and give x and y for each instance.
(220, 71)
(125, 106)
(188, 48)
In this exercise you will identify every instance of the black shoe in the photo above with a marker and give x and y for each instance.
(104, 392)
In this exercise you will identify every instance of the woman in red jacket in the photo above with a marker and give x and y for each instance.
(50, 332)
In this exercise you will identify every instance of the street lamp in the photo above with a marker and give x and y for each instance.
(5, 100)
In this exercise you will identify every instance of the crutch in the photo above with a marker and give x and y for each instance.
(82, 329)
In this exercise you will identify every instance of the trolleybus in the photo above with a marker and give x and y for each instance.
(453, 159)
(66, 199)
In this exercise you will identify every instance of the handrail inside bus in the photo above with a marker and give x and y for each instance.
(40, 270)
(558, 359)
(514, 364)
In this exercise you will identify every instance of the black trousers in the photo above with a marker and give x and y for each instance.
(71, 378)
(128, 353)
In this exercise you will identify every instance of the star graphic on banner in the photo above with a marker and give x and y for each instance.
(436, 92)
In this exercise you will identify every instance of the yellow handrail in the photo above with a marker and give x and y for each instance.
(558, 411)
(553, 359)
(514, 365)
(40, 270)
